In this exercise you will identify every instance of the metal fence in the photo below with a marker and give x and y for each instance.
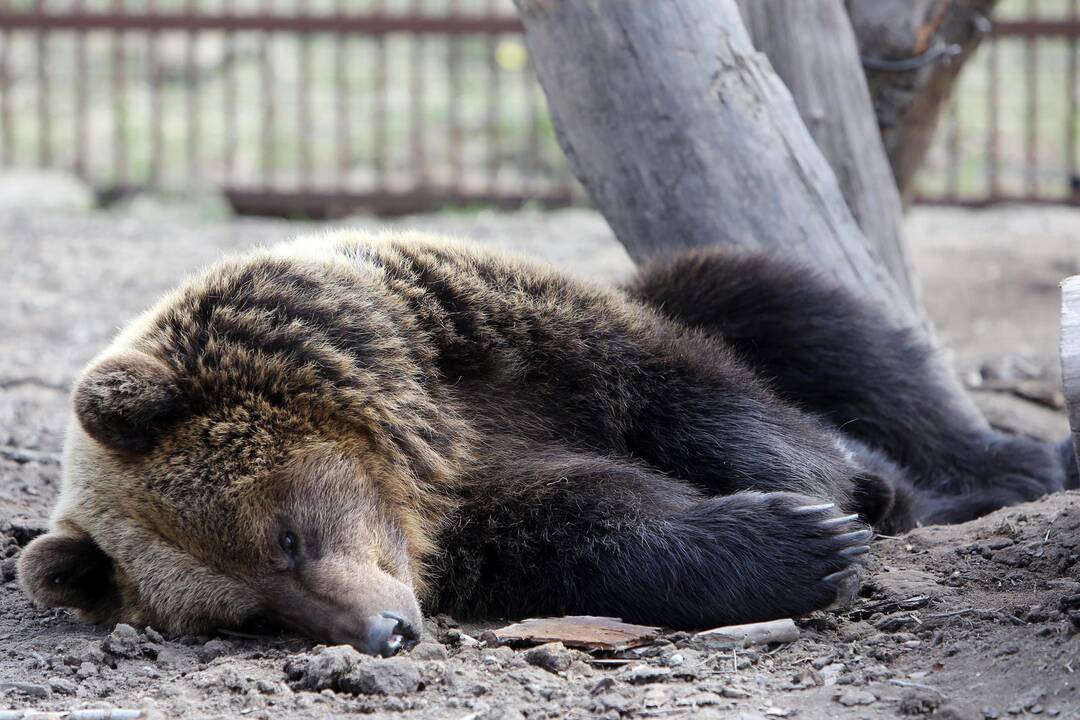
(315, 108)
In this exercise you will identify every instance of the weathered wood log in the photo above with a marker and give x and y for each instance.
(812, 47)
(684, 136)
(934, 38)
(762, 633)
(1070, 352)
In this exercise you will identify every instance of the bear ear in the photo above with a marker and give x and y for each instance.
(65, 569)
(124, 401)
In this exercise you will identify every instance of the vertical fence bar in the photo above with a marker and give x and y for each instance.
(1031, 116)
(342, 115)
(228, 99)
(993, 154)
(80, 97)
(304, 137)
(7, 154)
(1072, 126)
(119, 102)
(952, 144)
(493, 104)
(418, 150)
(192, 81)
(44, 119)
(378, 126)
(157, 129)
(266, 96)
(453, 110)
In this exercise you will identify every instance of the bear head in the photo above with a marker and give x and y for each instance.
(232, 459)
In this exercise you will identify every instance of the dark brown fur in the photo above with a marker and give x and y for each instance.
(427, 420)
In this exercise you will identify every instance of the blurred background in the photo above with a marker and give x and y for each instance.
(315, 109)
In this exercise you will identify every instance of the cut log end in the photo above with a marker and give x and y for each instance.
(1070, 352)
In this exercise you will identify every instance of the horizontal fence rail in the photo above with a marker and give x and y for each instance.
(399, 106)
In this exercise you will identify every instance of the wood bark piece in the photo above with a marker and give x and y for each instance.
(908, 104)
(585, 632)
(762, 633)
(813, 49)
(1070, 352)
(684, 136)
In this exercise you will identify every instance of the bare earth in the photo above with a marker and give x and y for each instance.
(971, 621)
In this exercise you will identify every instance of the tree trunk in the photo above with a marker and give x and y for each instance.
(908, 103)
(812, 47)
(684, 136)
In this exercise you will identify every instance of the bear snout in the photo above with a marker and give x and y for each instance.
(371, 611)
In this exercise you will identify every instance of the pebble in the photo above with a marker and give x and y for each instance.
(428, 651)
(28, 689)
(343, 669)
(212, 649)
(644, 675)
(123, 641)
(853, 697)
(62, 686)
(553, 657)
(392, 676)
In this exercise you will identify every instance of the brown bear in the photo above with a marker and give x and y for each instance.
(334, 433)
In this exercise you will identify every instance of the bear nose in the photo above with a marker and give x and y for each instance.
(387, 633)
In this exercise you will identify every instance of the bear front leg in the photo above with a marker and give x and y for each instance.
(558, 532)
(734, 559)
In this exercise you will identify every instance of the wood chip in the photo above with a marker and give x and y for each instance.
(585, 632)
(774, 631)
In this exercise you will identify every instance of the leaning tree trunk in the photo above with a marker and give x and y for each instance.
(684, 136)
(913, 51)
(812, 47)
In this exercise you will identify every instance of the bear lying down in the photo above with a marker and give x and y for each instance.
(335, 433)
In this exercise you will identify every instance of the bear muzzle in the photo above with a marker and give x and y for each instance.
(377, 621)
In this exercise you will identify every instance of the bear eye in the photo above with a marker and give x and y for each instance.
(288, 542)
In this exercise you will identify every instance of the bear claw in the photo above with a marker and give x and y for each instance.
(809, 509)
(837, 521)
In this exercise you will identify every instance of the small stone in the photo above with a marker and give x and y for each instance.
(28, 689)
(428, 651)
(62, 686)
(917, 701)
(553, 657)
(212, 649)
(123, 641)
(86, 670)
(853, 697)
(735, 693)
(644, 675)
(602, 685)
(322, 668)
(831, 673)
(392, 676)
(153, 636)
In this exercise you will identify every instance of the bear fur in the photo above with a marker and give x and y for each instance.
(333, 433)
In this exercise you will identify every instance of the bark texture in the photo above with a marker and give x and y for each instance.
(908, 103)
(684, 136)
(813, 49)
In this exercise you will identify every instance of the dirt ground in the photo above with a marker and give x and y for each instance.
(971, 621)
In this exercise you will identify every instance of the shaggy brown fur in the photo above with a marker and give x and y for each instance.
(326, 432)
